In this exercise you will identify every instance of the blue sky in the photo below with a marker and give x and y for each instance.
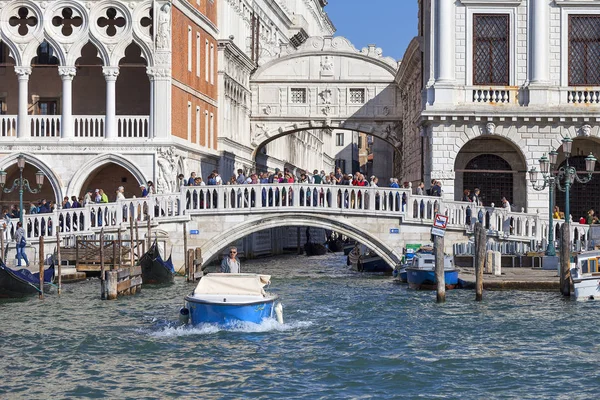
(390, 24)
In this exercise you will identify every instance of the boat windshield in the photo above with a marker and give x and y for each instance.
(589, 266)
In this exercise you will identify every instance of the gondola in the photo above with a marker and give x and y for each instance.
(22, 282)
(335, 244)
(155, 271)
(313, 249)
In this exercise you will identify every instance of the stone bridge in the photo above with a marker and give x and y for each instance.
(384, 219)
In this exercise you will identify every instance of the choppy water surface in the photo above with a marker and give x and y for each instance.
(345, 336)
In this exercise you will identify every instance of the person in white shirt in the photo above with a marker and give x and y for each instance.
(505, 205)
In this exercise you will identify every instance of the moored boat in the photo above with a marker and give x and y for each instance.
(335, 244)
(586, 276)
(228, 298)
(409, 253)
(313, 248)
(420, 274)
(154, 269)
(368, 262)
(22, 282)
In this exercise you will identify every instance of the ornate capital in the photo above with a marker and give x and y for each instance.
(67, 72)
(23, 72)
(110, 73)
(158, 72)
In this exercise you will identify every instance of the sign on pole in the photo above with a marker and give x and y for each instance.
(440, 221)
(439, 225)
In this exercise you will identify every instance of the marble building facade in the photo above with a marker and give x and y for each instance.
(501, 82)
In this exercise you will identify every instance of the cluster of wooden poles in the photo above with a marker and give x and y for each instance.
(480, 255)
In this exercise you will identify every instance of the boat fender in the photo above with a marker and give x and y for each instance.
(184, 315)
(279, 312)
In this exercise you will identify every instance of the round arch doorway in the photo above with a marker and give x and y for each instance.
(492, 175)
(109, 177)
(497, 173)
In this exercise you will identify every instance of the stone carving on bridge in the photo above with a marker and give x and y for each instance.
(326, 96)
(334, 45)
(267, 110)
(163, 34)
(168, 162)
(327, 66)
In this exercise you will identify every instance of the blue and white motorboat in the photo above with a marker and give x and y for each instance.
(229, 298)
(420, 274)
(586, 276)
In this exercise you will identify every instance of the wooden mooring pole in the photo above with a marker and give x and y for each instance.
(149, 233)
(119, 248)
(131, 252)
(438, 244)
(480, 245)
(190, 263)
(185, 248)
(565, 259)
(2, 232)
(102, 271)
(298, 241)
(41, 252)
(58, 261)
(197, 262)
(137, 238)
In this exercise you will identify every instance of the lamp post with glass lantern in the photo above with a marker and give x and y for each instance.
(22, 184)
(566, 174)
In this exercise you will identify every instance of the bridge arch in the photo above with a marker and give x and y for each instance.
(214, 247)
(386, 132)
(326, 83)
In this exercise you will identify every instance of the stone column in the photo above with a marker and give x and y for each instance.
(66, 124)
(445, 42)
(110, 124)
(22, 120)
(160, 107)
(539, 41)
(151, 133)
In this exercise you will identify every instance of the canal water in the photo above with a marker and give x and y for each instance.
(345, 336)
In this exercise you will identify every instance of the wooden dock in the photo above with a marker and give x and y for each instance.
(514, 279)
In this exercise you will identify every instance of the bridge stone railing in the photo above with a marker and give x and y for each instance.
(288, 198)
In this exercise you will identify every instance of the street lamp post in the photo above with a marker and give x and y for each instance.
(22, 184)
(552, 179)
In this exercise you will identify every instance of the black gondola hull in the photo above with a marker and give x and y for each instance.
(14, 286)
(155, 271)
(335, 245)
(315, 249)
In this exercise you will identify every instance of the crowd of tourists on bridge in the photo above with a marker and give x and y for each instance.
(336, 177)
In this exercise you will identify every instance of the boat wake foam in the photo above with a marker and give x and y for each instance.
(267, 325)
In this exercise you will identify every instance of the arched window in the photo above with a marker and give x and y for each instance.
(583, 197)
(492, 175)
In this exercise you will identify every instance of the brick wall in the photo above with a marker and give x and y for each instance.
(191, 84)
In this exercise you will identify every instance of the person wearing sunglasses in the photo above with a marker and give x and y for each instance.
(231, 264)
